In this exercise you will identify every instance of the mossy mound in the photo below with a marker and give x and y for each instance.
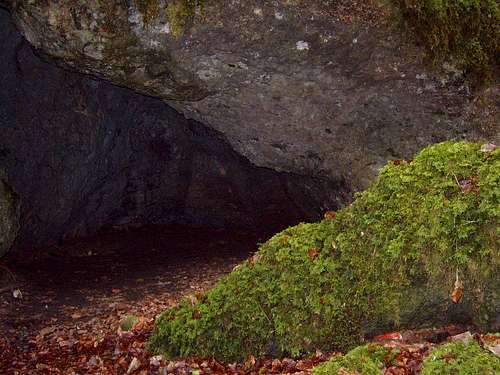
(367, 360)
(461, 359)
(466, 31)
(9, 216)
(390, 259)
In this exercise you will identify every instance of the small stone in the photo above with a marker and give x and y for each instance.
(257, 12)
(17, 293)
(488, 147)
(155, 360)
(465, 337)
(302, 45)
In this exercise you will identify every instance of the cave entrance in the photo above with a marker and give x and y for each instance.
(124, 204)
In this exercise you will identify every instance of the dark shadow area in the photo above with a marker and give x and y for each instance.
(132, 268)
(84, 155)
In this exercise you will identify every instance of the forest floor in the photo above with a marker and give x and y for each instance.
(61, 311)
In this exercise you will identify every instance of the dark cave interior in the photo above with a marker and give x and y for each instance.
(86, 156)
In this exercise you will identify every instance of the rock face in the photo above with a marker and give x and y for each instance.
(9, 216)
(83, 154)
(309, 86)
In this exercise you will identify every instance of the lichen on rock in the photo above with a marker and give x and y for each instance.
(179, 12)
(388, 260)
(9, 215)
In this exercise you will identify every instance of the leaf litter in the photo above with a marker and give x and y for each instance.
(93, 314)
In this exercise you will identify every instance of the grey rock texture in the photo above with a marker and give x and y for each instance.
(9, 216)
(83, 154)
(315, 87)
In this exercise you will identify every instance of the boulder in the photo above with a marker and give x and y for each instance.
(419, 247)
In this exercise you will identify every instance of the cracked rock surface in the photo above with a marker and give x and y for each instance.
(321, 88)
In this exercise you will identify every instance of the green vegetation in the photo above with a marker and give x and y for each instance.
(458, 358)
(389, 258)
(128, 323)
(467, 31)
(179, 12)
(367, 360)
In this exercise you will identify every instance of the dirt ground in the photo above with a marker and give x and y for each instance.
(81, 291)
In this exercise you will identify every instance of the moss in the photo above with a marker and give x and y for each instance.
(179, 12)
(386, 260)
(128, 323)
(466, 31)
(149, 9)
(461, 359)
(367, 360)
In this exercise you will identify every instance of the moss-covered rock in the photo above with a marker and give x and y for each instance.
(466, 31)
(392, 258)
(9, 216)
(460, 358)
(367, 360)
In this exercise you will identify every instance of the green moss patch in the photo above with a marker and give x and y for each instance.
(128, 323)
(367, 360)
(391, 259)
(467, 31)
(461, 359)
(181, 11)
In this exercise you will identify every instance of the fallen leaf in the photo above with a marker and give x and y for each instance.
(458, 289)
(47, 330)
(389, 336)
(313, 252)
(134, 365)
(330, 215)
(196, 314)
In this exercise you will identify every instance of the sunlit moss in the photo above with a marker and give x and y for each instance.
(386, 260)
(367, 360)
(461, 359)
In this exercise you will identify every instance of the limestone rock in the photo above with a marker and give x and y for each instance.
(312, 87)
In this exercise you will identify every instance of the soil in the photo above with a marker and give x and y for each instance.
(82, 290)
